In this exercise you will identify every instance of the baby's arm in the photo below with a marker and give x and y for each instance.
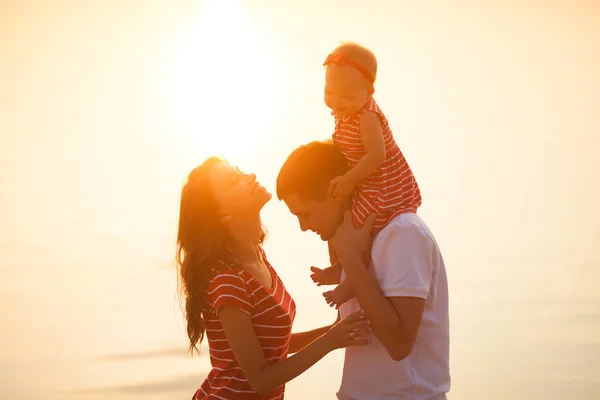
(371, 134)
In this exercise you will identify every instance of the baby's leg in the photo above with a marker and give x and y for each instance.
(341, 294)
(344, 291)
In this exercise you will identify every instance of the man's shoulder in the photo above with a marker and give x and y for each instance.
(400, 229)
(405, 236)
(403, 257)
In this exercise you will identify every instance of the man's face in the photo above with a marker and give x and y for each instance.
(320, 216)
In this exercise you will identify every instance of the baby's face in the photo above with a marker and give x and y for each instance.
(346, 89)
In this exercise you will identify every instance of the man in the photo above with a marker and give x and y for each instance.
(404, 290)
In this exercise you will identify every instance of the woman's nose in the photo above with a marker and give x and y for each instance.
(251, 177)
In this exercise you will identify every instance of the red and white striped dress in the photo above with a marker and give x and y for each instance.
(272, 312)
(392, 189)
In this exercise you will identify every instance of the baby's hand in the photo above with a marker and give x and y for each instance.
(325, 276)
(340, 187)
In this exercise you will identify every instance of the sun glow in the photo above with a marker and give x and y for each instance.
(224, 82)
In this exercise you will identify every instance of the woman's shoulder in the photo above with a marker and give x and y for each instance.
(224, 271)
(227, 270)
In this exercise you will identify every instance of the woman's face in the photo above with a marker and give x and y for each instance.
(238, 194)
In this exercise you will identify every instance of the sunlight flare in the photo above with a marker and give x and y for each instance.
(224, 83)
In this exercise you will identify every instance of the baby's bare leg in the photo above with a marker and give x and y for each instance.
(342, 293)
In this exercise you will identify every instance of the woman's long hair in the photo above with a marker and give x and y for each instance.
(202, 241)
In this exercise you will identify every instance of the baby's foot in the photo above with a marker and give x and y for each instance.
(338, 296)
(327, 276)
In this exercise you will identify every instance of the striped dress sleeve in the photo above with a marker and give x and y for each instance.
(227, 288)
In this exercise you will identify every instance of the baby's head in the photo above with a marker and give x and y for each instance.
(349, 78)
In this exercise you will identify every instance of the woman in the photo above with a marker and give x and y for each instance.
(234, 295)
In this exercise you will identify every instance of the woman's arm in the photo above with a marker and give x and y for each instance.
(264, 377)
(300, 340)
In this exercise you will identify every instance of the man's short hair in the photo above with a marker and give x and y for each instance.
(309, 169)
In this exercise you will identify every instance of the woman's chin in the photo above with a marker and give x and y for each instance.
(268, 197)
(263, 197)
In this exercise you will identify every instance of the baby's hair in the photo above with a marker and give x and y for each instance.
(360, 55)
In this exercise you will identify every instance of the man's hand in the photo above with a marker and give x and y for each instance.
(350, 242)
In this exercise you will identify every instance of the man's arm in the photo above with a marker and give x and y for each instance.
(395, 320)
(395, 301)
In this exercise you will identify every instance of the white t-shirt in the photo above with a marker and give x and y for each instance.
(406, 262)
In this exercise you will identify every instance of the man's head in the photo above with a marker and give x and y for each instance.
(303, 184)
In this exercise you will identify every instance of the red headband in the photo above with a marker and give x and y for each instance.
(342, 59)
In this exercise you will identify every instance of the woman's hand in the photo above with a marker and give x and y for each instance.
(350, 331)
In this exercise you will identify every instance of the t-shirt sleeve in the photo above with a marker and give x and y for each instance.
(228, 289)
(403, 263)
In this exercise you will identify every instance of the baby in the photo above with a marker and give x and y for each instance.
(380, 180)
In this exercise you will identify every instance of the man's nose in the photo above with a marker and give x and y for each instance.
(303, 226)
(251, 177)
